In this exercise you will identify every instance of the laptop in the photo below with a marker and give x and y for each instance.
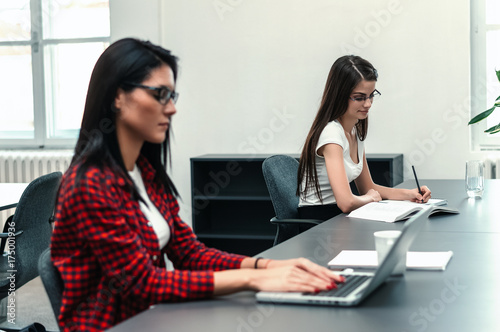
(358, 285)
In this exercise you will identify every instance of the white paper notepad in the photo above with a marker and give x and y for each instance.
(415, 260)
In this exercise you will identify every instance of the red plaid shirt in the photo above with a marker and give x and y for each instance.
(109, 257)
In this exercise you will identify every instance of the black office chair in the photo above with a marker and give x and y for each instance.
(32, 230)
(280, 174)
(52, 281)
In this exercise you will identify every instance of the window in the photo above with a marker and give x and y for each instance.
(48, 49)
(485, 59)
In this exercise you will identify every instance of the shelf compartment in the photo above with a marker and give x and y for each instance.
(231, 198)
(228, 178)
(232, 216)
(248, 247)
(233, 235)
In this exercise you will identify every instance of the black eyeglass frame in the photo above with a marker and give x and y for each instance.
(375, 93)
(163, 95)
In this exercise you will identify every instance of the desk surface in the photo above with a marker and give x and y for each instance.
(10, 193)
(462, 298)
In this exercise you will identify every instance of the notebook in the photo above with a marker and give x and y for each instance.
(415, 260)
(358, 285)
(392, 211)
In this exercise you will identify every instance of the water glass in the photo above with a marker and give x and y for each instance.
(474, 178)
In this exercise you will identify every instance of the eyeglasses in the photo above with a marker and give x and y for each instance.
(163, 95)
(373, 96)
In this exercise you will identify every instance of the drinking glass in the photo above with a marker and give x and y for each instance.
(474, 178)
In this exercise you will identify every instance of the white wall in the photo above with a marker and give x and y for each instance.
(252, 74)
(133, 18)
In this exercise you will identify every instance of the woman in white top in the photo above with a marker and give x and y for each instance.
(333, 153)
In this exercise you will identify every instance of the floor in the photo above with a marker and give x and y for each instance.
(32, 305)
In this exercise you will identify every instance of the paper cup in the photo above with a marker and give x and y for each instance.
(384, 240)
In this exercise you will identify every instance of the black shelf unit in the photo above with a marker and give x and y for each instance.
(231, 206)
(386, 168)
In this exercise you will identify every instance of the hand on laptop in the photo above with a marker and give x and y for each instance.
(294, 275)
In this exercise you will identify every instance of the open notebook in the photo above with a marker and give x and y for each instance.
(392, 211)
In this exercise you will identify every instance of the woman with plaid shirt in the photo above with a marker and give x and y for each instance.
(117, 216)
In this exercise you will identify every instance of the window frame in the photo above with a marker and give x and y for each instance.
(480, 141)
(37, 44)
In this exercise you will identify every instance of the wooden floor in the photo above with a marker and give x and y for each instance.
(32, 305)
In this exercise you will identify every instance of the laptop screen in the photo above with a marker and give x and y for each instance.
(410, 231)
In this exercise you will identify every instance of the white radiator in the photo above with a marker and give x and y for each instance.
(492, 168)
(27, 165)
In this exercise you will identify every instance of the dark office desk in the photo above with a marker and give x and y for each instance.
(465, 297)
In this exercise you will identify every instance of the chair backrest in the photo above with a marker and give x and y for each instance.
(280, 174)
(52, 281)
(32, 217)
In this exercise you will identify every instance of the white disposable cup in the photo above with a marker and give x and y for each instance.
(474, 178)
(384, 240)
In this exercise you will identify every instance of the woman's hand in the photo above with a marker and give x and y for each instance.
(294, 275)
(416, 197)
(374, 195)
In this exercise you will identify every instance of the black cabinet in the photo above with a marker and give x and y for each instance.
(230, 203)
(231, 206)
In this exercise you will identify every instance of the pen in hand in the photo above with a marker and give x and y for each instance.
(416, 180)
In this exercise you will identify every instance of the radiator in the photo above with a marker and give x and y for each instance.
(492, 168)
(27, 165)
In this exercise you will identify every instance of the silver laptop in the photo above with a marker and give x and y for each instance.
(358, 285)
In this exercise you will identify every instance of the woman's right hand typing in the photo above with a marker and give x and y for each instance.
(295, 275)
(292, 275)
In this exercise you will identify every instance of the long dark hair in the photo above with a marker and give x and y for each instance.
(345, 74)
(127, 60)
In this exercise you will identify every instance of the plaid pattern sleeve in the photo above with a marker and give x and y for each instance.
(109, 257)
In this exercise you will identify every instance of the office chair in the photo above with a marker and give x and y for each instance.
(30, 231)
(280, 175)
(52, 281)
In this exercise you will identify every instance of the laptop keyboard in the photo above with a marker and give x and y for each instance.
(343, 289)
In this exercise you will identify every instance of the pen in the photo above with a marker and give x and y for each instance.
(416, 180)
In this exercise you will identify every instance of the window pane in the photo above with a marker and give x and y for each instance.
(492, 12)
(67, 73)
(16, 104)
(75, 18)
(15, 20)
(492, 64)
